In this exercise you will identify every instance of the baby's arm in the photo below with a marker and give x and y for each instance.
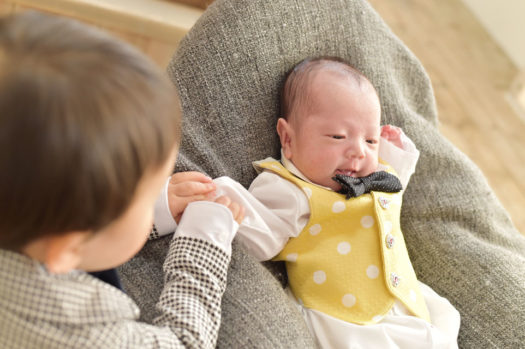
(180, 189)
(275, 211)
(399, 152)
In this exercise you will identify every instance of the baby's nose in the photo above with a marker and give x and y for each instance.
(356, 149)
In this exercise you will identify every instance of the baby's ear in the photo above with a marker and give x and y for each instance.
(63, 252)
(286, 135)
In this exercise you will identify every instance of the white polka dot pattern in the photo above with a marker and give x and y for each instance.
(319, 277)
(338, 207)
(344, 247)
(372, 272)
(348, 300)
(315, 229)
(367, 222)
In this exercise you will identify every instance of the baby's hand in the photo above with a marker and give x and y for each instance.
(236, 209)
(186, 187)
(392, 134)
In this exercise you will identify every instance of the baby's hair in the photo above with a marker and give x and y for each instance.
(83, 117)
(296, 86)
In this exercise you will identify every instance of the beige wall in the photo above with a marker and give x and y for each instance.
(505, 21)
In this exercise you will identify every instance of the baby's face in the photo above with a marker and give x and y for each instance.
(337, 133)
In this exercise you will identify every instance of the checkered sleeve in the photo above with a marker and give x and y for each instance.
(40, 310)
(190, 303)
(154, 234)
(195, 280)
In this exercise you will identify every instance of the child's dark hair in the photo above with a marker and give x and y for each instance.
(83, 117)
(295, 88)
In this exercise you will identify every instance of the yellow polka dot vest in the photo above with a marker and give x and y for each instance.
(350, 261)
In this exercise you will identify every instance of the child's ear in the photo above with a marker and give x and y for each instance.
(286, 134)
(63, 252)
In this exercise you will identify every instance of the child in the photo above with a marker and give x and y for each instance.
(89, 133)
(346, 259)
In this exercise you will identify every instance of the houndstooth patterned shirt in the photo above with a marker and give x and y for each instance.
(75, 310)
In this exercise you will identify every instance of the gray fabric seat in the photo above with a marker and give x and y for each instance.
(228, 70)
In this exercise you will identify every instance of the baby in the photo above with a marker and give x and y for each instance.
(346, 259)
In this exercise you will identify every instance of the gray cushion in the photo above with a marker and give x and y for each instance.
(228, 70)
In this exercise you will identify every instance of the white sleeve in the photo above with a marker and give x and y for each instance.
(402, 160)
(208, 221)
(162, 218)
(275, 210)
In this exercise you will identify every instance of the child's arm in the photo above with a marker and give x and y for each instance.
(195, 271)
(192, 225)
(189, 305)
(180, 189)
(399, 152)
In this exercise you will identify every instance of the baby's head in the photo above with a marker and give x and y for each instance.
(89, 132)
(330, 121)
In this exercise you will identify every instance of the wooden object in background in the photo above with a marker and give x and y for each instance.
(471, 77)
(154, 26)
(203, 4)
(517, 95)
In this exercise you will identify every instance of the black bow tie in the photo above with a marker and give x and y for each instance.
(377, 181)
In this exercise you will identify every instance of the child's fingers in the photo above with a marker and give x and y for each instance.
(189, 176)
(177, 204)
(187, 187)
(191, 188)
(180, 202)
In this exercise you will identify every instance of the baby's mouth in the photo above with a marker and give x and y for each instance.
(349, 173)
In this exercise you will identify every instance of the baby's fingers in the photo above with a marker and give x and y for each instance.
(390, 131)
(236, 209)
(392, 134)
(238, 212)
(223, 200)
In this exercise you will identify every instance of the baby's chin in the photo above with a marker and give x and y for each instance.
(330, 183)
(327, 183)
(336, 187)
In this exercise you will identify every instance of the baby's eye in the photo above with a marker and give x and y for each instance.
(371, 141)
(337, 137)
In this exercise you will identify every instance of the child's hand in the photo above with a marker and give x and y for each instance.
(392, 134)
(236, 209)
(186, 187)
